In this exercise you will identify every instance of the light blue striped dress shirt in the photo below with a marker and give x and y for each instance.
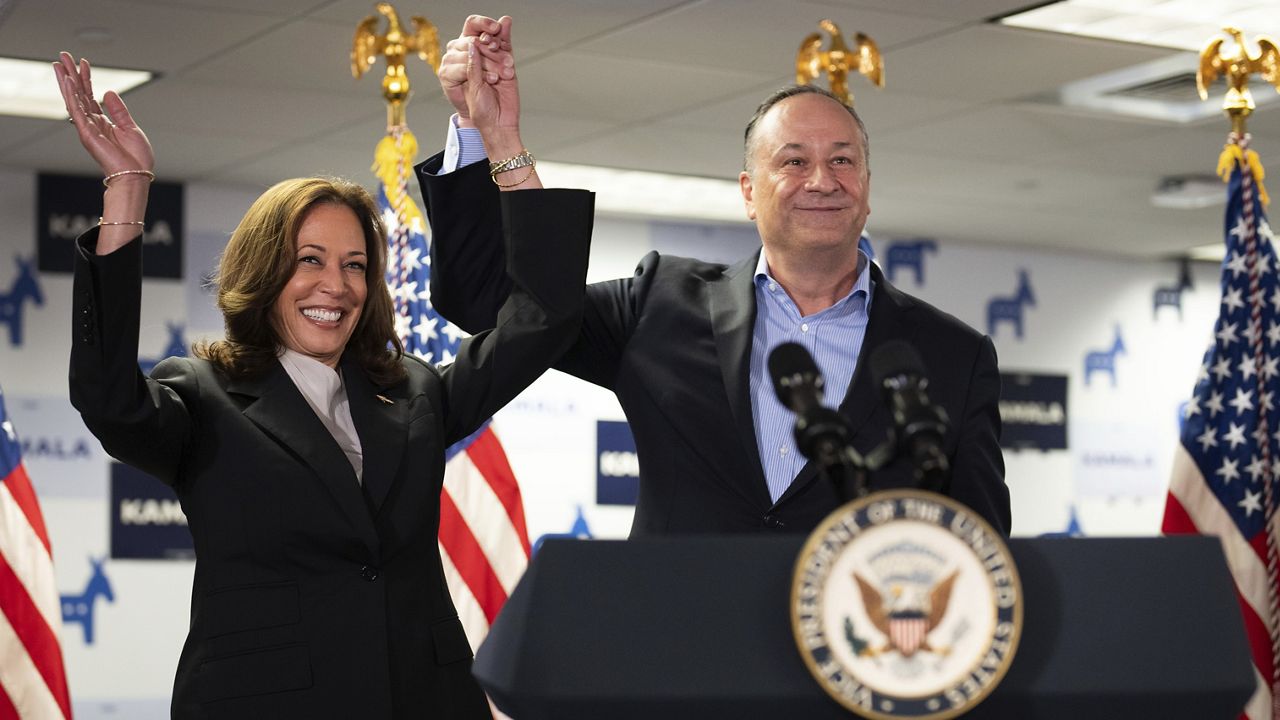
(462, 147)
(833, 336)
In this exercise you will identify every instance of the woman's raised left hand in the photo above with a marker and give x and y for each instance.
(106, 129)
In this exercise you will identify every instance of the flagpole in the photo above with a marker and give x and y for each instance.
(1256, 302)
(1235, 63)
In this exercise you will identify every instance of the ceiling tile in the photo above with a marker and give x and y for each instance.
(989, 62)
(754, 35)
(536, 26)
(161, 38)
(658, 149)
(254, 92)
(967, 11)
(623, 90)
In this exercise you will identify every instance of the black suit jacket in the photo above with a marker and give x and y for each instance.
(311, 598)
(673, 342)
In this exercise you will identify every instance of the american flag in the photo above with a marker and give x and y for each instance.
(483, 538)
(33, 681)
(1226, 465)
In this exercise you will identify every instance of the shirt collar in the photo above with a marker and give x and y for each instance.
(313, 377)
(861, 285)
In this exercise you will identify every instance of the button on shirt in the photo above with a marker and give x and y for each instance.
(833, 336)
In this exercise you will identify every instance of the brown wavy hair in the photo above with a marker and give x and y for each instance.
(260, 259)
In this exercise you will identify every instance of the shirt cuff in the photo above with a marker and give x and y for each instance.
(462, 147)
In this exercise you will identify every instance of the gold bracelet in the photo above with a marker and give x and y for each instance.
(524, 159)
(132, 222)
(106, 180)
(528, 173)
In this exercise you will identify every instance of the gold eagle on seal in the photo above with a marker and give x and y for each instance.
(906, 615)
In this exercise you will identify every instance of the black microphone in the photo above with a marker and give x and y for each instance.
(897, 369)
(796, 377)
(821, 433)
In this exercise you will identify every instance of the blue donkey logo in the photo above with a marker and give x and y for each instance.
(580, 530)
(1171, 295)
(24, 288)
(908, 255)
(1104, 360)
(177, 348)
(1073, 528)
(1009, 309)
(79, 608)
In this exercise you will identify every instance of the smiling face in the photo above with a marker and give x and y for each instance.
(320, 306)
(807, 181)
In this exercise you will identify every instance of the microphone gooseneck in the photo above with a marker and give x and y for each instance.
(896, 368)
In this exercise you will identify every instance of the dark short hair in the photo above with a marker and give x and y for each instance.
(791, 91)
(261, 258)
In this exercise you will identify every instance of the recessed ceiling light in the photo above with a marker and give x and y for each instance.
(1182, 24)
(28, 87)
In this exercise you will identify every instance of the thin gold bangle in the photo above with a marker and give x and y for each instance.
(131, 222)
(527, 174)
(107, 180)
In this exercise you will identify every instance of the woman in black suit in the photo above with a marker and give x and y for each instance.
(306, 448)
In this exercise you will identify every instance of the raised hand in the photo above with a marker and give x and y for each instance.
(493, 99)
(112, 137)
(118, 145)
(493, 39)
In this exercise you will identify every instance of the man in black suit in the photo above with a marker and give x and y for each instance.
(683, 342)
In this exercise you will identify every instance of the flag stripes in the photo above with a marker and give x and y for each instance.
(490, 459)
(469, 559)
(36, 643)
(33, 681)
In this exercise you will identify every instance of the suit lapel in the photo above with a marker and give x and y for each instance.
(732, 304)
(382, 429)
(281, 411)
(891, 319)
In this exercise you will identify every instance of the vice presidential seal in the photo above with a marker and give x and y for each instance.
(906, 604)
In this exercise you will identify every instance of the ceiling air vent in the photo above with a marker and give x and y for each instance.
(1177, 88)
(1162, 90)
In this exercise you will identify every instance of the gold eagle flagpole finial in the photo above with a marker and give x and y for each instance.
(838, 60)
(395, 45)
(1236, 64)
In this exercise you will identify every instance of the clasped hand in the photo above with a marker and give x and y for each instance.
(478, 75)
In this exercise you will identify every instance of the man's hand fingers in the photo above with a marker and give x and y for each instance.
(454, 67)
(479, 24)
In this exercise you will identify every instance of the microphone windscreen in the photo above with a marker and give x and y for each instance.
(787, 361)
(895, 358)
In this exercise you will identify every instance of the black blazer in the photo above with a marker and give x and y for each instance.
(673, 342)
(311, 598)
